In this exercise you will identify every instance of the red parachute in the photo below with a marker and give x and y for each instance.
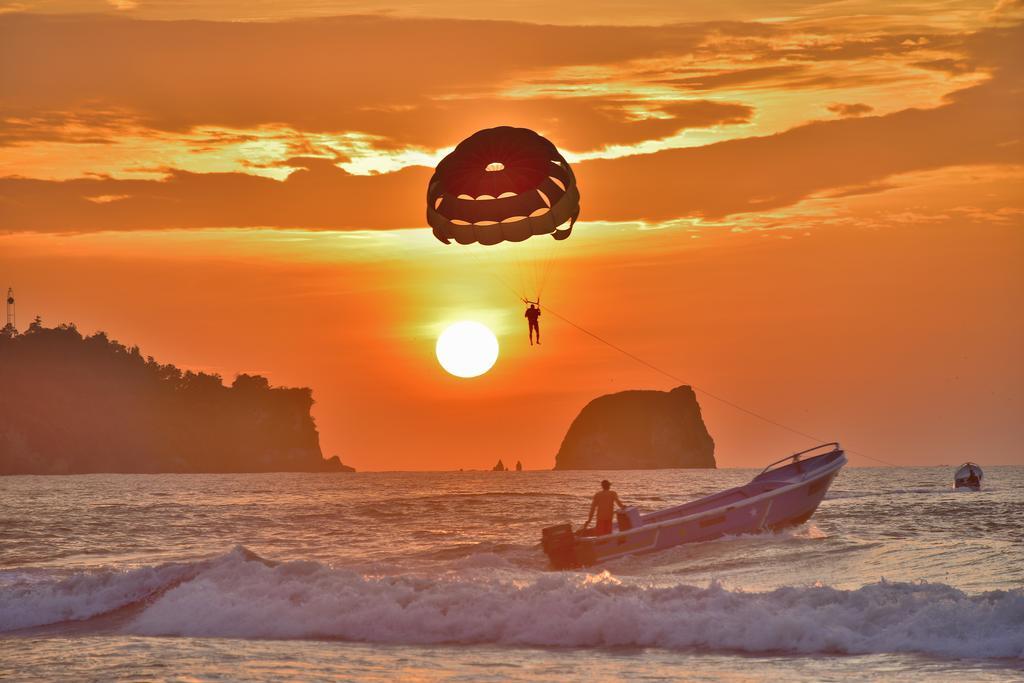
(502, 184)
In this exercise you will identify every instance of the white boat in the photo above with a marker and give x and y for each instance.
(968, 477)
(779, 497)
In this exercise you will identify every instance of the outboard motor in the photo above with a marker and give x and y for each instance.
(559, 543)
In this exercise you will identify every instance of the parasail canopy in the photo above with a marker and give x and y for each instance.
(502, 184)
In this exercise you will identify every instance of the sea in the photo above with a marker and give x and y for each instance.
(440, 576)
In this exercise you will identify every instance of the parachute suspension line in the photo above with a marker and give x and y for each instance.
(538, 266)
(707, 393)
(526, 282)
(493, 272)
(528, 266)
(544, 265)
(505, 258)
(527, 274)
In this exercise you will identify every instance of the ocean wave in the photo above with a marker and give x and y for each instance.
(36, 602)
(239, 595)
(937, 490)
(932, 490)
(454, 498)
(463, 550)
(30, 600)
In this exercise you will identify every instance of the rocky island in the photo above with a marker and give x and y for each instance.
(638, 430)
(71, 404)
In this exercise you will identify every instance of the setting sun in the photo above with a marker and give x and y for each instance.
(467, 349)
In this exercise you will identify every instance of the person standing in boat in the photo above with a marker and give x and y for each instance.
(603, 504)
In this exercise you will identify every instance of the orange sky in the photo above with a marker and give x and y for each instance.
(814, 210)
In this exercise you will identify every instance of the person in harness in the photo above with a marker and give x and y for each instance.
(533, 317)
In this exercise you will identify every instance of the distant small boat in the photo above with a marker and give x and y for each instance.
(775, 499)
(968, 477)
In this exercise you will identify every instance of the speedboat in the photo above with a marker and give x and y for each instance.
(786, 493)
(968, 477)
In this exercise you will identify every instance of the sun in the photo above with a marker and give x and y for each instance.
(467, 349)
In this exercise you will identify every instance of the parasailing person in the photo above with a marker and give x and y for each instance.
(501, 186)
(532, 316)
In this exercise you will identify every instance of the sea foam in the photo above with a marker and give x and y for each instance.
(238, 595)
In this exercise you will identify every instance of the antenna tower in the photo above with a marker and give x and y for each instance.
(10, 309)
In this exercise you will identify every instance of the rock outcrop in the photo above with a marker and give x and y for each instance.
(71, 404)
(638, 430)
(334, 464)
(500, 467)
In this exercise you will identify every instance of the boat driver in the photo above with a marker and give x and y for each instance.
(604, 503)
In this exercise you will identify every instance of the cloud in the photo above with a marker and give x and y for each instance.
(567, 12)
(976, 126)
(434, 101)
(979, 125)
(1007, 9)
(92, 126)
(317, 75)
(856, 109)
(947, 65)
(320, 195)
(405, 81)
(720, 79)
(577, 124)
(843, 47)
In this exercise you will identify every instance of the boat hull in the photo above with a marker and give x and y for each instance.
(773, 500)
(968, 477)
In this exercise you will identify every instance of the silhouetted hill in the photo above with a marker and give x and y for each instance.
(638, 430)
(73, 404)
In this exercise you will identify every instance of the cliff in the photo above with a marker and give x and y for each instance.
(638, 430)
(71, 404)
